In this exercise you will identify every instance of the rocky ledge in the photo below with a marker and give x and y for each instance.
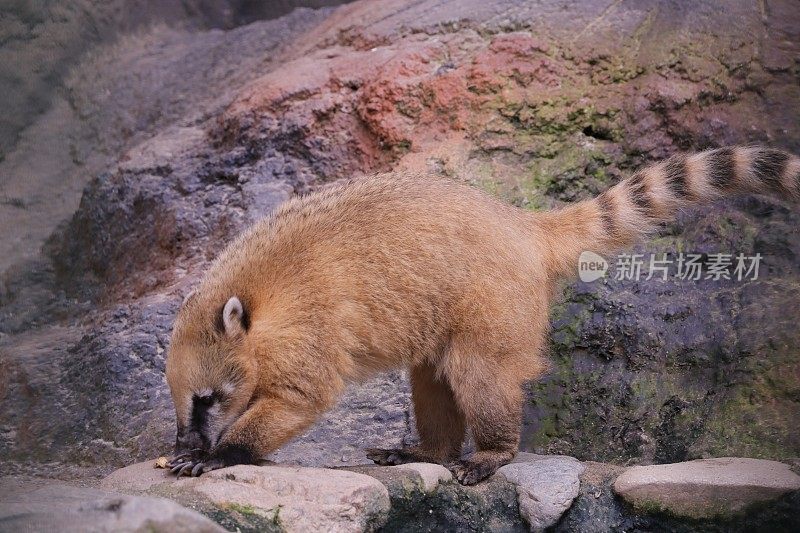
(534, 493)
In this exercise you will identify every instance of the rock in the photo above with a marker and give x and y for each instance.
(304, 499)
(423, 497)
(372, 414)
(272, 498)
(490, 506)
(139, 477)
(76, 81)
(294, 498)
(707, 487)
(546, 488)
(425, 477)
(596, 509)
(59, 507)
(431, 474)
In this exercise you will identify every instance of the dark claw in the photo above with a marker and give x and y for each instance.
(175, 468)
(178, 459)
(198, 469)
(187, 467)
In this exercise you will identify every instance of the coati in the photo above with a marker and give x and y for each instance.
(414, 271)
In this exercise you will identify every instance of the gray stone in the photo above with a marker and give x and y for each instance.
(75, 80)
(139, 477)
(597, 509)
(262, 197)
(488, 506)
(295, 498)
(431, 474)
(169, 145)
(706, 488)
(58, 507)
(372, 414)
(546, 488)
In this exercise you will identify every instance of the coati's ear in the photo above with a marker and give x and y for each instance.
(234, 317)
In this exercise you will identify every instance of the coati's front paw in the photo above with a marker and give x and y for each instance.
(183, 462)
(195, 467)
(469, 472)
(226, 455)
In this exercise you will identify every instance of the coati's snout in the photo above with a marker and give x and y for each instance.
(200, 435)
(191, 442)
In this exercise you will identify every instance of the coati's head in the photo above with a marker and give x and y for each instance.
(210, 372)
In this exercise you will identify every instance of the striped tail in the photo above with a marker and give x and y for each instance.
(637, 206)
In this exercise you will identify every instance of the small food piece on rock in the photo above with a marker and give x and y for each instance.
(161, 462)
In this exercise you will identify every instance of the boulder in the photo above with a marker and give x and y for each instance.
(546, 487)
(139, 477)
(59, 507)
(425, 498)
(706, 488)
(277, 497)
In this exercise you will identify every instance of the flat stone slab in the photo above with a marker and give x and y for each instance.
(65, 508)
(296, 498)
(705, 488)
(546, 487)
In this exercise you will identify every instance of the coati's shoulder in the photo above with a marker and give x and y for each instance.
(302, 221)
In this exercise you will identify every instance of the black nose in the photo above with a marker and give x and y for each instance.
(190, 441)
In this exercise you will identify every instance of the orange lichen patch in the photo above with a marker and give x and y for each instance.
(416, 96)
(309, 104)
(517, 57)
(364, 110)
(325, 71)
(368, 106)
(520, 44)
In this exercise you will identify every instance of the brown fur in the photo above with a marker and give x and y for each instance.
(413, 271)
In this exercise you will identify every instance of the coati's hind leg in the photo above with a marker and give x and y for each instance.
(440, 424)
(488, 390)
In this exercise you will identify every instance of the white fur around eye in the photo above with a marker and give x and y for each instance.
(232, 316)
